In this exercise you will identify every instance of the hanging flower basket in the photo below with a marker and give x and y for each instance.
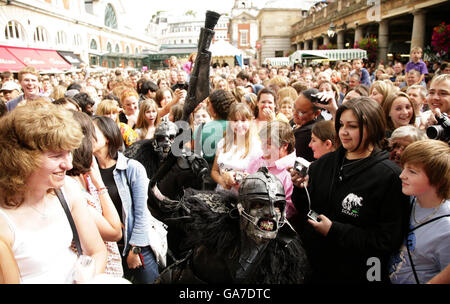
(370, 44)
(440, 40)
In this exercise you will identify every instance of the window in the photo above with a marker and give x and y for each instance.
(244, 37)
(117, 49)
(77, 40)
(13, 30)
(109, 47)
(61, 38)
(93, 44)
(88, 6)
(127, 50)
(40, 35)
(278, 53)
(110, 17)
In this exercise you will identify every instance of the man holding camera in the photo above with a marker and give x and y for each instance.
(439, 102)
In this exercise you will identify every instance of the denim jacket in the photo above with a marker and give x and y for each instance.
(134, 209)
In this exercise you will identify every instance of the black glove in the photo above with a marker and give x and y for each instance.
(188, 172)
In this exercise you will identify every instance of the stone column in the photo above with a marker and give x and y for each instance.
(358, 34)
(315, 43)
(306, 45)
(383, 40)
(418, 29)
(340, 39)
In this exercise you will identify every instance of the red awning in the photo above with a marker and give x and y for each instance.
(8, 62)
(43, 60)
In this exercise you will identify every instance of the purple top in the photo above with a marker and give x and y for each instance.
(419, 66)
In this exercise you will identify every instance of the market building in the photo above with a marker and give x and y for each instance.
(395, 25)
(94, 32)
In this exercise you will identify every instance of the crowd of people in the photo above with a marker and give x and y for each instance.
(374, 140)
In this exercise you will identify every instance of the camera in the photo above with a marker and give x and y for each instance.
(315, 98)
(441, 131)
(313, 215)
(301, 165)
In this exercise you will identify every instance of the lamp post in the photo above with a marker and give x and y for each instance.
(331, 30)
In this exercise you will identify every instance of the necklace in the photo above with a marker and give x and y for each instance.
(429, 216)
(43, 215)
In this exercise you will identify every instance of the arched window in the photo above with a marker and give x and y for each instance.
(93, 45)
(40, 35)
(110, 17)
(109, 47)
(117, 48)
(14, 31)
(127, 50)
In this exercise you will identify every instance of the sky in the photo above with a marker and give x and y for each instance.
(152, 6)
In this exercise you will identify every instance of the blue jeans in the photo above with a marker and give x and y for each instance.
(142, 275)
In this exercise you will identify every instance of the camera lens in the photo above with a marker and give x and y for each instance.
(435, 132)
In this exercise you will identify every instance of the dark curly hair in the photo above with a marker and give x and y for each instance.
(84, 100)
(221, 101)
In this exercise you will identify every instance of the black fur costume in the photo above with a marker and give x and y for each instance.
(144, 152)
(212, 226)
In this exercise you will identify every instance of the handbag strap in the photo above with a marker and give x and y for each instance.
(76, 238)
(407, 245)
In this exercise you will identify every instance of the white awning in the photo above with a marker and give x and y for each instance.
(222, 48)
(341, 54)
(278, 61)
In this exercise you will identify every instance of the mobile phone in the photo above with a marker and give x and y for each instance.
(313, 215)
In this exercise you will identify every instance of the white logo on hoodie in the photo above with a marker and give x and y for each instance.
(351, 205)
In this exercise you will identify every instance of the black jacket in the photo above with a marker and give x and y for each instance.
(303, 137)
(369, 215)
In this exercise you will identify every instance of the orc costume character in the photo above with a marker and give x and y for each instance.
(229, 239)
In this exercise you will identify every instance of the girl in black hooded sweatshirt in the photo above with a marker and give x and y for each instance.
(358, 194)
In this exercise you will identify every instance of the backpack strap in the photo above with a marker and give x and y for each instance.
(407, 245)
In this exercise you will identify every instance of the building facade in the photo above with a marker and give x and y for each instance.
(95, 30)
(275, 20)
(398, 25)
(244, 27)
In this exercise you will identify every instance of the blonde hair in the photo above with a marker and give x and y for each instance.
(25, 134)
(382, 87)
(28, 70)
(416, 49)
(230, 137)
(142, 123)
(278, 81)
(287, 92)
(106, 107)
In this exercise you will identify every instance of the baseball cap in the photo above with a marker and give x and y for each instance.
(9, 86)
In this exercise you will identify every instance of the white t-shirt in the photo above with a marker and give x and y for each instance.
(44, 256)
(233, 159)
(429, 247)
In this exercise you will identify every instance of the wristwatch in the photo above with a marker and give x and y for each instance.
(136, 250)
